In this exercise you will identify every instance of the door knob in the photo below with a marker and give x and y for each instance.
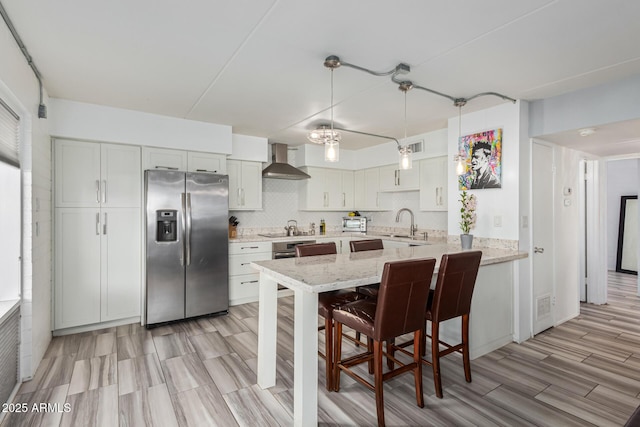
(537, 250)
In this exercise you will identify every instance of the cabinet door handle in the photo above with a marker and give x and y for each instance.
(104, 226)
(243, 197)
(166, 167)
(537, 250)
(344, 200)
(104, 191)
(249, 247)
(245, 263)
(249, 281)
(326, 199)
(441, 198)
(98, 224)
(97, 191)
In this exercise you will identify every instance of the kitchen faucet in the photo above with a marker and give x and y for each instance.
(412, 227)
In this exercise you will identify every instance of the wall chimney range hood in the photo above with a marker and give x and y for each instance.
(279, 168)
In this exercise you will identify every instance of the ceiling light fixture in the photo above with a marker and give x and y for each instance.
(333, 62)
(460, 159)
(586, 132)
(327, 135)
(405, 152)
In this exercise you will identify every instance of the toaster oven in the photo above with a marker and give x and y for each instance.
(354, 223)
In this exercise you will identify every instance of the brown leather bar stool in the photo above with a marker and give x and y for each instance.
(398, 310)
(327, 302)
(367, 245)
(452, 298)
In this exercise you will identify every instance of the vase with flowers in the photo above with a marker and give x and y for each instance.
(467, 218)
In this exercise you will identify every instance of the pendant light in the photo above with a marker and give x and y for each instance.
(458, 158)
(405, 162)
(327, 135)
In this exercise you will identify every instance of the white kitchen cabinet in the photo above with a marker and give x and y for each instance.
(89, 174)
(243, 279)
(394, 179)
(245, 185)
(97, 233)
(367, 190)
(191, 161)
(121, 269)
(327, 190)
(206, 162)
(164, 158)
(97, 265)
(433, 184)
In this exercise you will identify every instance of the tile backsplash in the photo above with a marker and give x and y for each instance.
(280, 204)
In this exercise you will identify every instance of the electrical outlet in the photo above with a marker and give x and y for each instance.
(497, 221)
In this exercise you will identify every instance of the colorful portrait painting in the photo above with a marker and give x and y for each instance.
(482, 152)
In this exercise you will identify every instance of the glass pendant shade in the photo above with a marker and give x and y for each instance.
(405, 158)
(459, 164)
(332, 151)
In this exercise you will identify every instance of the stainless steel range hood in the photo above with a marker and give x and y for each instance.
(279, 168)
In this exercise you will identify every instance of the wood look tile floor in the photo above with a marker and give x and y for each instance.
(202, 373)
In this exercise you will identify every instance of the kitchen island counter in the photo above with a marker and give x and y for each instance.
(492, 316)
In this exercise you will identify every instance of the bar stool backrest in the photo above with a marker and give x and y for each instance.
(311, 249)
(365, 245)
(454, 288)
(404, 290)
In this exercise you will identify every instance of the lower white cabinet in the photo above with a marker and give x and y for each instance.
(243, 279)
(97, 265)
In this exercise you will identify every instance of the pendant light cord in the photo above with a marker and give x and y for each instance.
(405, 116)
(332, 104)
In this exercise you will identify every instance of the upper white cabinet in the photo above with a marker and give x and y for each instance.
(90, 174)
(367, 190)
(245, 185)
(206, 162)
(327, 190)
(191, 161)
(393, 179)
(163, 158)
(433, 184)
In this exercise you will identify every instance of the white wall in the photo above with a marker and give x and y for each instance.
(91, 122)
(253, 148)
(19, 88)
(492, 202)
(622, 180)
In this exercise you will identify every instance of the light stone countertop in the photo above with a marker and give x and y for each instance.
(328, 272)
(336, 235)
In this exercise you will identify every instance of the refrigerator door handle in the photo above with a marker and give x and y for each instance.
(187, 242)
(183, 227)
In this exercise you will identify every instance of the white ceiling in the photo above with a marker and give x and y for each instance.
(258, 65)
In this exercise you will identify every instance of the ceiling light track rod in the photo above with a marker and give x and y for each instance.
(369, 134)
(333, 62)
(42, 109)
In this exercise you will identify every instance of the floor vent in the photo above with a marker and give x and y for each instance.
(9, 343)
(544, 306)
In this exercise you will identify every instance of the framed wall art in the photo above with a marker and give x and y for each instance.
(482, 152)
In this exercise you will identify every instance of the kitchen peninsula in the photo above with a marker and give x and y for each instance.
(492, 313)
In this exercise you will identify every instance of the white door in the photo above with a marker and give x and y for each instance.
(77, 174)
(121, 177)
(121, 263)
(542, 228)
(77, 267)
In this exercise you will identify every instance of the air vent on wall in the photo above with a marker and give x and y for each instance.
(417, 147)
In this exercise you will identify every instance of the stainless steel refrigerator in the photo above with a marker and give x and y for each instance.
(187, 264)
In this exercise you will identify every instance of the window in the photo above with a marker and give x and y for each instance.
(10, 203)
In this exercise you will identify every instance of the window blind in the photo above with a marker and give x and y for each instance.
(9, 140)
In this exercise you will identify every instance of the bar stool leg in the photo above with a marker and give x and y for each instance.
(377, 357)
(337, 357)
(328, 355)
(435, 358)
(465, 347)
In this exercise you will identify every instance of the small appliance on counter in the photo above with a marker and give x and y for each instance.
(356, 224)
